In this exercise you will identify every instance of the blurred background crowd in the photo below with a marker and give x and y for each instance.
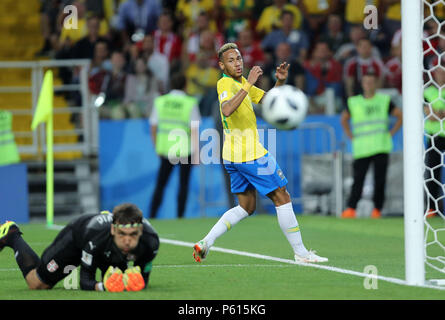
(135, 46)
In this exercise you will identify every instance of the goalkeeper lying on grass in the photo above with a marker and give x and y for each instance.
(109, 242)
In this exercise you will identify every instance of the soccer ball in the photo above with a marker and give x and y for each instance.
(285, 107)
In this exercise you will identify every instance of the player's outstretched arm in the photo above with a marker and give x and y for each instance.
(281, 74)
(229, 106)
(88, 280)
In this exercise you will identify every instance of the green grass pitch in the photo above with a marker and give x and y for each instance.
(349, 244)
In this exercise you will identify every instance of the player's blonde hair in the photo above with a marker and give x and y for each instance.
(226, 47)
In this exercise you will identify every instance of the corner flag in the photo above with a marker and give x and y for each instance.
(44, 113)
(45, 103)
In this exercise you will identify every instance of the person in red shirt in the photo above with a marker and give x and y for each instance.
(361, 64)
(322, 71)
(250, 50)
(165, 40)
(193, 41)
(393, 74)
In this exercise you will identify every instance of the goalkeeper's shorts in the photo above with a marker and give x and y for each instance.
(263, 174)
(59, 259)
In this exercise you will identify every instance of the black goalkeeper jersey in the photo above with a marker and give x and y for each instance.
(92, 235)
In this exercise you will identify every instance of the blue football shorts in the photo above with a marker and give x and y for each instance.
(263, 174)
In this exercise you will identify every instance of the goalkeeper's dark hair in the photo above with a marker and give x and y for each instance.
(127, 213)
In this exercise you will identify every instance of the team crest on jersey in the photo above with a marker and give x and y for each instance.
(52, 266)
(223, 95)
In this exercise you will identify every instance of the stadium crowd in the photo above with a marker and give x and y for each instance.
(135, 46)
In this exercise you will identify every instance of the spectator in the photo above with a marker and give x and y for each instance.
(169, 5)
(136, 18)
(393, 67)
(84, 48)
(315, 14)
(201, 76)
(392, 17)
(354, 11)
(192, 45)
(69, 36)
(250, 50)
(207, 43)
(233, 16)
(258, 8)
(270, 17)
(297, 39)
(322, 71)
(283, 53)
(96, 7)
(334, 35)
(172, 112)
(371, 141)
(67, 40)
(434, 109)
(187, 12)
(349, 49)
(157, 63)
(440, 48)
(100, 66)
(111, 12)
(431, 41)
(49, 13)
(141, 89)
(357, 66)
(114, 86)
(166, 41)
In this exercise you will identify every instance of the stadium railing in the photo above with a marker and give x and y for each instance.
(86, 128)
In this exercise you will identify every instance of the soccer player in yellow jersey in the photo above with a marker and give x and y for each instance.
(250, 166)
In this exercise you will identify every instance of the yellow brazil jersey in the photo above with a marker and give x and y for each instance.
(270, 18)
(354, 10)
(394, 12)
(241, 138)
(75, 34)
(317, 6)
(191, 9)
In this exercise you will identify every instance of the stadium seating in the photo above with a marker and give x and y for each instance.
(21, 39)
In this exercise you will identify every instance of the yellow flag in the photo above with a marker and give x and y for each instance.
(45, 102)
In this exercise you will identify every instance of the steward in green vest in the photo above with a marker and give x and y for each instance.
(8, 149)
(174, 113)
(368, 115)
(434, 109)
(370, 120)
(174, 124)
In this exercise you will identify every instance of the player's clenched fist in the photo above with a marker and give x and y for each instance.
(133, 279)
(113, 280)
(254, 74)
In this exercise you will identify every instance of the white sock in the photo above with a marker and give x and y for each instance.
(289, 225)
(225, 223)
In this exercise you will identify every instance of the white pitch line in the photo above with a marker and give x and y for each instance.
(311, 265)
(177, 266)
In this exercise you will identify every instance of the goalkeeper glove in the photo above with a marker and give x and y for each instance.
(113, 280)
(133, 279)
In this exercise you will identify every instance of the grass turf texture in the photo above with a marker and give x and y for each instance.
(349, 244)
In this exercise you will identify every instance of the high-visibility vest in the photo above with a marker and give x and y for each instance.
(8, 149)
(370, 121)
(431, 95)
(173, 128)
